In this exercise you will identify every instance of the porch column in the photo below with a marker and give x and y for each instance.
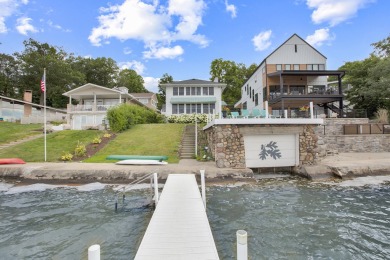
(341, 106)
(281, 92)
(120, 98)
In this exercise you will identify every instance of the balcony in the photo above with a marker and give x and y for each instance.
(88, 108)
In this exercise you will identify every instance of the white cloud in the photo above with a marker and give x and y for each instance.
(139, 67)
(319, 37)
(232, 9)
(127, 51)
(262, 40)
(163, 52)
(8, 8)
(23, 25)
(151, 23)
(151, 84)
(335, 11)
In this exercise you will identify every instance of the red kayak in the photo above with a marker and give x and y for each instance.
(12, 161)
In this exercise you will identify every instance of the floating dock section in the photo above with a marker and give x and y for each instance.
(179, 228)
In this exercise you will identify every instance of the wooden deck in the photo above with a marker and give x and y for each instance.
(179, 228)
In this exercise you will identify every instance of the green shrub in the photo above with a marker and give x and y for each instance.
(122, 117)
(80, 150)
(97, 140)
(66, 156)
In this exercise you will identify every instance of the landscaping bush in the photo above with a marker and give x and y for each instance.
(188, 118)
(122, 117)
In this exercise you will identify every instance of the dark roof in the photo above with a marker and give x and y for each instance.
(192, 82)
(340, 73)
(142, 94)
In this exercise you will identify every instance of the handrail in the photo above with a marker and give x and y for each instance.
(128, 187)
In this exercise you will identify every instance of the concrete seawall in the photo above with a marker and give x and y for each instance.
(343, 166)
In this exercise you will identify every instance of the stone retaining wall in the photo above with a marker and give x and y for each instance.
(226, 142)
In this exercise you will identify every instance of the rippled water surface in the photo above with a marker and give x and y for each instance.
(285, 219)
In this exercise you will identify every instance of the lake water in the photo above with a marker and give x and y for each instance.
(287, 218)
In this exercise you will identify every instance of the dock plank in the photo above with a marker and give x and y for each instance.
(179, 228)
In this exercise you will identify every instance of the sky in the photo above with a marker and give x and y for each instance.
(183, 37)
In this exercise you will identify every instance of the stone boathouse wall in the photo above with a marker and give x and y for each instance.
(226, 142)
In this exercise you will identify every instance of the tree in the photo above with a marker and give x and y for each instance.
(233, 74)
(382, 48)
(8, 76)
(166, 78)
(60, 75)
(100, 71)
(131, 80)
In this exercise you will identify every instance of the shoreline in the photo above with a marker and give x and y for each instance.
(343, 166)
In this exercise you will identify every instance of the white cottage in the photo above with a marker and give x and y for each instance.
(93, 103)
(193, 96)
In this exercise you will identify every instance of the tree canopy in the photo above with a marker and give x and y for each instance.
(233, 74)
(370, 79)
(64, 71)
(166, 78)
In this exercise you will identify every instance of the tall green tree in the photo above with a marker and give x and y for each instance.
(233, 74)
(100, 71)
(166, 78)
(9, 75)
(131, 80)
(60, 76)
(370, 79)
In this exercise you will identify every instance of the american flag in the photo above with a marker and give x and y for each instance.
(43, 83)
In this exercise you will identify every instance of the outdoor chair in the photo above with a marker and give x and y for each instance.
(234, 114)
(257, 113)
(245, 113)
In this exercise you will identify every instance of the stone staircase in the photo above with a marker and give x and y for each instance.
(187, 148)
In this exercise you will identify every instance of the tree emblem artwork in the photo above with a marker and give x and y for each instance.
(270, 149)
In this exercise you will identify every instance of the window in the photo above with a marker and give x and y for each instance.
(278, 67)
(257, 99)
(212, 108)
(188, 91)
(175, 91)
(296, 48)
(253, 94)
(174, 109)
(205, 91)
(315, 66)
(198, 91)
(296, 66)
(211, 91)
(188, 109)
(193, 91)
(244, 106)
(250, 92)
(309, 66)
(321, 66)
(199, 108)
(181, 91)
(193, 108)
(205, 108)
(181, 108)
(287, 67)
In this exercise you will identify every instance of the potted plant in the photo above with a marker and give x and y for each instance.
(225, 111)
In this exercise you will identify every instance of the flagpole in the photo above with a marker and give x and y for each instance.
(44, 107)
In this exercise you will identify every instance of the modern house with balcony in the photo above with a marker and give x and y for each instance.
(93, 103)
(193, 96)
(290, 78)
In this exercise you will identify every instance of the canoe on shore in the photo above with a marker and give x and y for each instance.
(141, 162)
(137, 157)
(11, 161)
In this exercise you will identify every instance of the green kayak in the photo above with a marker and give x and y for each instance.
(137, 157)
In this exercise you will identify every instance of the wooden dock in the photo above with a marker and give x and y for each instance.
(179, 228)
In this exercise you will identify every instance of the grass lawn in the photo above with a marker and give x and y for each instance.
(57, 143)
(146, 139)
(10, 132)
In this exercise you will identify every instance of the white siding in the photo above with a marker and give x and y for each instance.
(287, 145)
(255, 82)
(305, 53)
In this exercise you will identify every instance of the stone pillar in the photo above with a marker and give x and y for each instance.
(27, 107)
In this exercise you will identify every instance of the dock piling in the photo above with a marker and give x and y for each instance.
(242, 245)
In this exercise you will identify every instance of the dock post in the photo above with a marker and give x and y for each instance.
(242, 245)
(94, 252)
(155, 188)
(311, 110)
(203, 184)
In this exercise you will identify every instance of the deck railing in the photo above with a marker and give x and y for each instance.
(74, 108)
